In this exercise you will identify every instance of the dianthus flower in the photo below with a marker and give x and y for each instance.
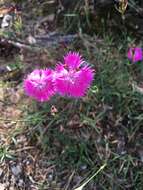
(39, 85)
(135, 54)
(73, 77)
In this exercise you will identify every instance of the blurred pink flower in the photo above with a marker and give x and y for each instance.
(73, 77)
(39, 85)
(135, 54)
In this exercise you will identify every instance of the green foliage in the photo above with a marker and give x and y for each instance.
(5, 153)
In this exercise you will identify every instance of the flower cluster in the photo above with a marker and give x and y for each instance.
(71, 78)
(135, 54)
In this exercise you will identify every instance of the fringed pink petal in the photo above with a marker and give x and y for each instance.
(39, 85)
(135, 54)
(73, 60)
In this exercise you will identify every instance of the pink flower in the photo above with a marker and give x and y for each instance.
(73, 60)
(73, 77)
(135, 54)
(39, 85)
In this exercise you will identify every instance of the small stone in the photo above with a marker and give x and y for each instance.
(16, 170)
(83, 167)
(31, 40)
(20, 183)
(50, 177)
(2, 186)
(141, 155)
(1, 172)
(1, 93)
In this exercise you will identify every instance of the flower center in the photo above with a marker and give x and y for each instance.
(40, 84)
(133, 53)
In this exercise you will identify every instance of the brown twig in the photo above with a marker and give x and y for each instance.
(69, 180)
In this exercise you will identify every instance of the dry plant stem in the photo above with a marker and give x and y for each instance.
(22, 149)
(86, 182)
(5, 103)
(15, 121)
(49, 41)
(69, 181)
(24, 46)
